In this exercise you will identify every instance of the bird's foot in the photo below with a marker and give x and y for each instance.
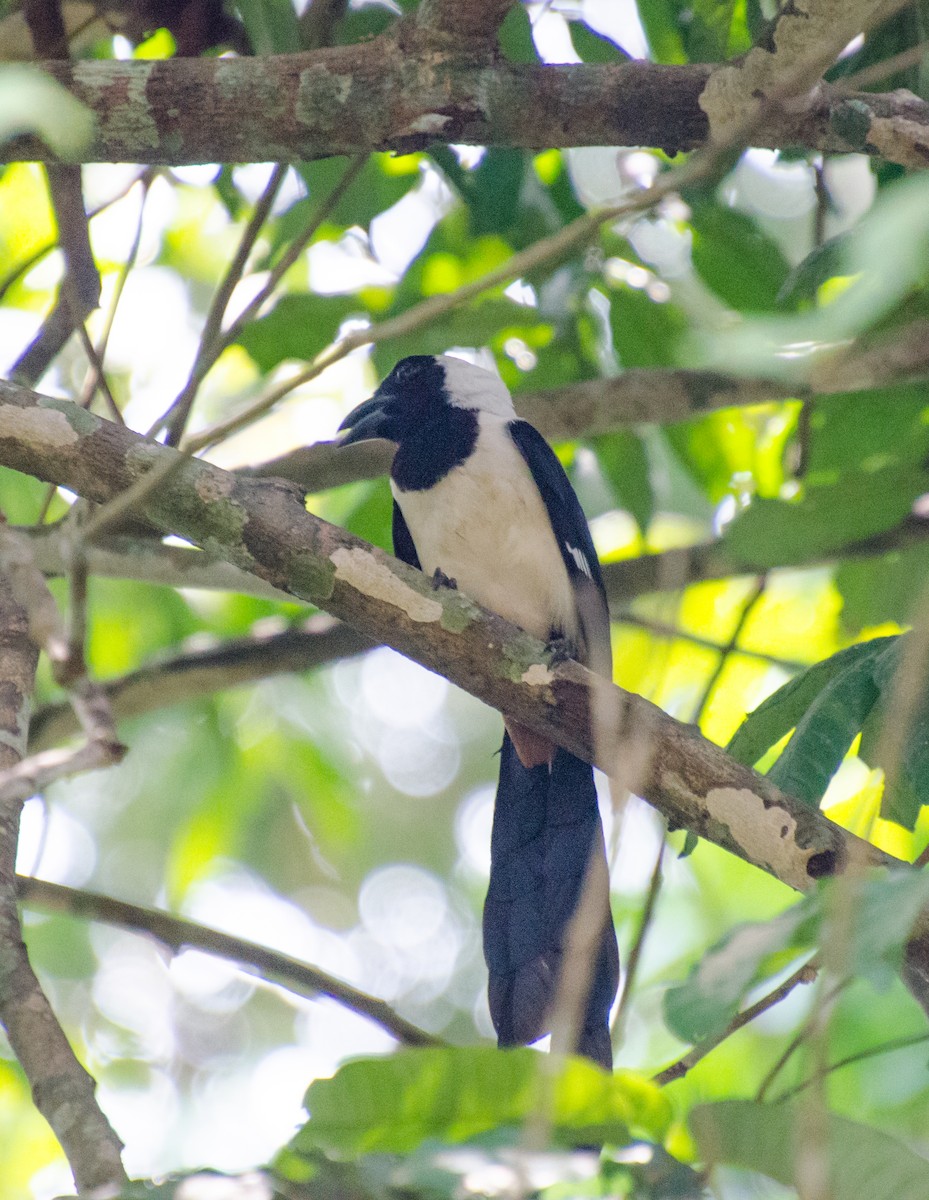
(440, 579)
(561, 649)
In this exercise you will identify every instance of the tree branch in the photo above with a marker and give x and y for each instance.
(671, 570)
(176, 934)
(317, 641)
(79, 292)
(147, 560)
(381, 95)
(677, 1070)
(263, 527)
(62, 1090)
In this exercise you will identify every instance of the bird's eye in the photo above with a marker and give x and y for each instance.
(405, 370)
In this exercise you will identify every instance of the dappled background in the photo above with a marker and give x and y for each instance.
(342, 816)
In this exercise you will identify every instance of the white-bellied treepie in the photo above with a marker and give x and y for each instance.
(480, 497)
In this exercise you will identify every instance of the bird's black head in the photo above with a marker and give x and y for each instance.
(409, 397)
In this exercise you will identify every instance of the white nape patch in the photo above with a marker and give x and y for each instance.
(472, 387)
(580, 558)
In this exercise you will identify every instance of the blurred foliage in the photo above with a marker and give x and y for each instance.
(342, 816)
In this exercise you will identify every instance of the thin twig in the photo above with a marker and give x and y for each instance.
(65, 650)
(98, 375)
(731, 645)
(880, 70)
(677, 1070)
(168, 681)
(888, 1047)
(665, 629)
(635, 954)
(176, 417)
(177, 934)
(95, 374)
(294, 250)
(794, 1045)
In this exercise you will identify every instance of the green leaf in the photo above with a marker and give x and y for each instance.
(645, 333)
(775, 717)
(886, 906)
(661, 22)
(377, 187)
(704, 1005)
(875, 590)
(906, 791)
(886, 262)
(33, 102)
(807, 277)
(826, 520)
(736, 259)
(870, 429)
(453, 1095)
(515, 36)
(298, 326)
(769, 1138)
(593, 47)
(826, 731)
(624, 461)
(495, 193)
(718, 29)
(271, 25)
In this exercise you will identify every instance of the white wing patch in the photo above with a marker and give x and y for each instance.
(580, 559)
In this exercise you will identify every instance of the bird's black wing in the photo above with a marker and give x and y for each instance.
(404, 547)
(572, 534)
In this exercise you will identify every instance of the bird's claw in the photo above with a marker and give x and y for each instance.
(561, 649)
(440, 579)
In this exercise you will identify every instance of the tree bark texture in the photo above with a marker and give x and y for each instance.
(401, 94)
(62, 1090)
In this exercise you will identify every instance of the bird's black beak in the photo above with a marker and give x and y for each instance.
(372, 419)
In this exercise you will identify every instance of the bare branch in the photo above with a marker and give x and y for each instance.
(379, 95)
(635, 955)
(65, 650)
(314, 643)
(677, 1070)
(62, 1089)
(177, 934)
(176, 417)
(79, 293)
(148, 561)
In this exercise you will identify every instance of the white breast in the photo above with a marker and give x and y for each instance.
(485, 526)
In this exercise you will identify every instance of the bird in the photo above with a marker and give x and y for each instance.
(481, 502)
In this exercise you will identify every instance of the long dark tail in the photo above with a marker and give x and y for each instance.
(546, 823)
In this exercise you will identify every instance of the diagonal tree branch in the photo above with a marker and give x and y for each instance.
(392, 94)
(315, 642)
(177, 933)
(263, 527)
